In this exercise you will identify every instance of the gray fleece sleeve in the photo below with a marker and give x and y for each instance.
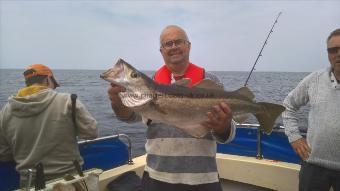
(5, 150)
(86, 124)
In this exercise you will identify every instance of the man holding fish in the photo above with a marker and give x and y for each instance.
(176, 160)
(186, 111)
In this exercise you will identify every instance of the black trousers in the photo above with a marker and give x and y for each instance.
(150, 184)
(316, 178)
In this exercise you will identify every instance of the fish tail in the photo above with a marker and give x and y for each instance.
(268, 116)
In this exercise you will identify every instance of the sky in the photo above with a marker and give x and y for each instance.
(225, 35)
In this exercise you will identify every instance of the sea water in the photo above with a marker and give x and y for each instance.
(92, 92)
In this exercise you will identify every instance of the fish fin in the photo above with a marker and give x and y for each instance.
(183, 82)
(240, 118)
(268, 116)
(208, 84)
(246, 92)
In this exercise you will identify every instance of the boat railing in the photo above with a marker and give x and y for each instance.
(118, 136)
(259, 153)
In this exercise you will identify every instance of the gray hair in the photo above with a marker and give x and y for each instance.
(176, 27)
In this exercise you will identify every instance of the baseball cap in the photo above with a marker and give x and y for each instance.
(39, 70)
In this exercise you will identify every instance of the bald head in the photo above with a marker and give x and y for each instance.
(171, 29)
(175, 49)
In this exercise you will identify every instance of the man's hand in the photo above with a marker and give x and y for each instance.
(219, 119)
(113, 95)
(121, 111)
(301, 147)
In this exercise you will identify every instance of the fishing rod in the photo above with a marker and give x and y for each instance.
(264, 44)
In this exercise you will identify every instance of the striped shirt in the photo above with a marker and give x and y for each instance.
(178, 158)
(322, 91)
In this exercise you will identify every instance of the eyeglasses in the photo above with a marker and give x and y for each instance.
(177, 42)
(333, 50)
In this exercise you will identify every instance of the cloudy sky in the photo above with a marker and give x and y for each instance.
(225, 35)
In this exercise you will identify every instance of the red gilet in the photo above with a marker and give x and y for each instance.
(195, 73)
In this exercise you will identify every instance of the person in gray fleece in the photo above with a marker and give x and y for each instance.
(36, 126)
(320, 151)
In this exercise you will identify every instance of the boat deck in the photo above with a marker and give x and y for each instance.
(228, 185)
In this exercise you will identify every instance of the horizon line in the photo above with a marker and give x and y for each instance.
(155, 70)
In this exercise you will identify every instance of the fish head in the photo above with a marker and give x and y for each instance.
(138, 86)
(123, 74)
(116, 74)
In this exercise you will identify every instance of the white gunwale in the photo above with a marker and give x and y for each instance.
(268, 174)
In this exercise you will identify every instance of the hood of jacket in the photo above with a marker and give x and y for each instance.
(32, 104)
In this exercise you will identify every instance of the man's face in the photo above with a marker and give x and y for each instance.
(333, 47)
(175, 48)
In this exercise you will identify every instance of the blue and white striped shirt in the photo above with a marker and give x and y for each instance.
(178, 158)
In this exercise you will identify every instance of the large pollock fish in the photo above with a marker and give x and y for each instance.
(183, 107)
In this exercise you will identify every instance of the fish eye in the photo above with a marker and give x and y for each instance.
(134, 74)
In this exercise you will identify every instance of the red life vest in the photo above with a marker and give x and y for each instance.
(195, 73)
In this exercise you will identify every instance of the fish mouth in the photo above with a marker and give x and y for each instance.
(118, 69)
(114, 75)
